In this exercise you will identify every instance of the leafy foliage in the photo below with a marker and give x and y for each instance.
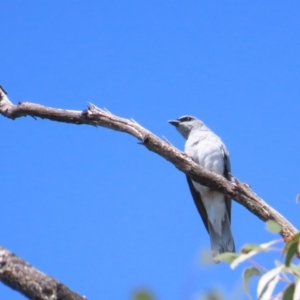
(287, 271)
(273, 226)
(247, 274)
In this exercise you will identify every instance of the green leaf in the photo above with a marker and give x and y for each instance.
(294, 270)
(247, 274)
(142, 295)
(227, 257)
(298, 198)
(267, 283)
(273, 226)
(289, 292)
(252, 247)
(297, 290)
(297, 236)
(292, 249)
(248, 251)
(295, 239)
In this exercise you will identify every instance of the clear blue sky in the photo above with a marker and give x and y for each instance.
(93, 208)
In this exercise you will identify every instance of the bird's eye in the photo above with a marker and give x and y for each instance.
(185, 119)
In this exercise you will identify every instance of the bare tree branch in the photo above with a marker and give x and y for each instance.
(95, 116)
(20, 276)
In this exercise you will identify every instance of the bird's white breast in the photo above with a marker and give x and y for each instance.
(207, 150)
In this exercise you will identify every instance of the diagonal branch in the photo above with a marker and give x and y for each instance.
(95, 116)
(20, 276)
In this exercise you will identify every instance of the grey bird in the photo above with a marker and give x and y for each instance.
(206, 149)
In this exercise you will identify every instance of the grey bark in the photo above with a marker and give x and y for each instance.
(33, 284)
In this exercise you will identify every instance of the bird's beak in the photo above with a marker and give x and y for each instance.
(174, 122)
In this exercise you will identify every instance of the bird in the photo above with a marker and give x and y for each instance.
(206, 149)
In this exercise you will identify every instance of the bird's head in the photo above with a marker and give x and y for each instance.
(186, 124)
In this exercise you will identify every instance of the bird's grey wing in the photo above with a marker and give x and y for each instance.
(227, 171)
(198, 201)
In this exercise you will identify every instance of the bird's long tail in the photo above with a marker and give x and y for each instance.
(221, 243)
